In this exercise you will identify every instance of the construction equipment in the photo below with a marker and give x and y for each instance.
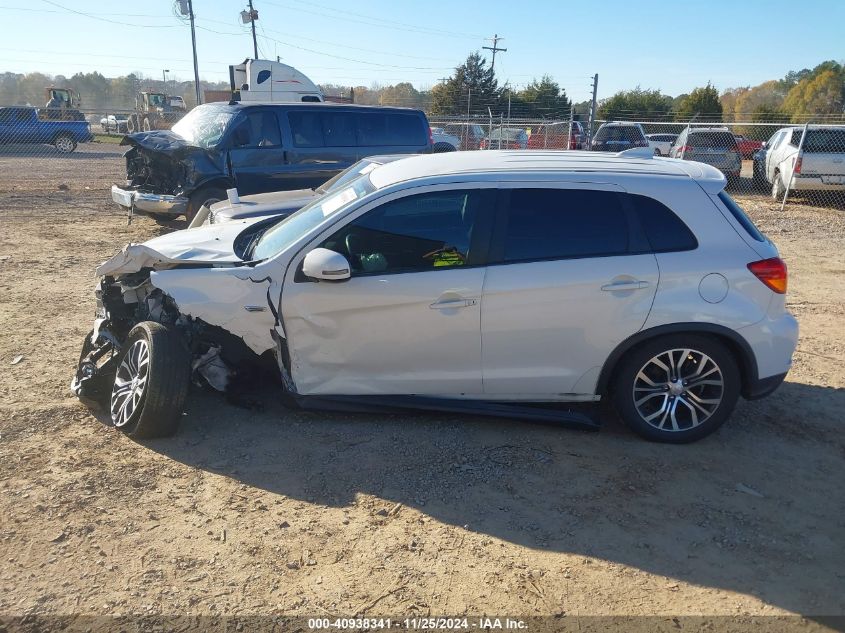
(62, 104)
(153, 111)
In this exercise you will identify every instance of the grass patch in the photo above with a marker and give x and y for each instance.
(114, 139)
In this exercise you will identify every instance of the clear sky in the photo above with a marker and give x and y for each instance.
(671, 45)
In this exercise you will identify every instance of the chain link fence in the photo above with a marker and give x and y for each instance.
(781, 163)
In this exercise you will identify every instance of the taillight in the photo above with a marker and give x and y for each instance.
(771, 272)
(683, 149)
(797, 168)
(430, 137)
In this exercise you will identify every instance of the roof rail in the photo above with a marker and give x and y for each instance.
(636, 152)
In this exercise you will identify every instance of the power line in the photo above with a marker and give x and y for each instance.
(101, 19)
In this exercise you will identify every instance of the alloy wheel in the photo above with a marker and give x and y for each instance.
(130, 383)
(678, 389)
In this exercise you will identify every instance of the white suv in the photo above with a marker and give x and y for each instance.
(462, 278)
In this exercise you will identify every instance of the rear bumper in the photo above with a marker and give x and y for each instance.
(811, 183)
(773, 341)
(149, 202)
(762, 387)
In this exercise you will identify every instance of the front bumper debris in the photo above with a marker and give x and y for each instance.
(141, 202)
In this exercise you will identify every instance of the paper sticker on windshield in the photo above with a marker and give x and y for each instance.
(336, 202)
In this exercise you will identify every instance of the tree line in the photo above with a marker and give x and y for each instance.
(473, 89)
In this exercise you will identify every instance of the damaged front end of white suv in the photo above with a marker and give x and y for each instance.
(183, 307)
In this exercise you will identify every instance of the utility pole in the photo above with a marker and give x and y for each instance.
(593, 110)
(495, 39)
(194, 46)
(253, 16)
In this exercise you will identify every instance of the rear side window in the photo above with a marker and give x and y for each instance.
(665, 231)
(740, 216)
(564, 223)
(306, 129)
(339, 129)
(386, 129)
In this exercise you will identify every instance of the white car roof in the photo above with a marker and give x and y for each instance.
(492, 165)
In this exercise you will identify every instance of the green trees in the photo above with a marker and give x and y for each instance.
(702, 103)
(635, 104)
(821, 92)
(472, 87)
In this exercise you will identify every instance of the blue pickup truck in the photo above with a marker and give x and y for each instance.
(25, 125)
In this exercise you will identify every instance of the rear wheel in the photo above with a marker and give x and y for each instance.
(440, 148)
(205, 196)
(151, 382)
(778, 188)
(65, 143)
(677, 389)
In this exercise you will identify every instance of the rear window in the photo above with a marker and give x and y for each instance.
(619, 133)
(740, 216)
(712, 140)
(665, 231)
(821, 141)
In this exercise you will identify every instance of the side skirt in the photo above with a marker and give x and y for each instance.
(397, 404)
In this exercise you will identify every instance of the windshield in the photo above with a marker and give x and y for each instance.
(712, 140)
(280, 236)
(204, 127)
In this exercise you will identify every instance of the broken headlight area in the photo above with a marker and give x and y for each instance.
(218, 358)
(153, 173)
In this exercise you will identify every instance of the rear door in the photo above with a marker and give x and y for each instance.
(564, 287)
(256, 155)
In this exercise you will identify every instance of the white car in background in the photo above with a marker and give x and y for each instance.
(819, 166)
(661, 143)
(586, 276)
(444, 142)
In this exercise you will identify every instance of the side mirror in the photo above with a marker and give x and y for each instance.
(325, 265)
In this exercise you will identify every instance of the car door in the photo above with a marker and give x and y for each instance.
(256, 154)
(775, 153)
(564, 287)
(408, 319)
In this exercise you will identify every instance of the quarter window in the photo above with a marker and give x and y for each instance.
(664, 230)
(564, 223)
(423, 232)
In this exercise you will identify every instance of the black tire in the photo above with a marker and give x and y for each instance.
(156, 408)
(205, 196)
(778, 190)
(733, 182)
(440, 148)
(64, 143)
(719, 400)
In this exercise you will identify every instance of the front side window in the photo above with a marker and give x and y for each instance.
(256, 129)
(423, 232)
(564, 223)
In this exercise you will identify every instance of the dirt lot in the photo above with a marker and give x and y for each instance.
(274, 511)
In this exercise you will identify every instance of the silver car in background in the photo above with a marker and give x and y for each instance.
(715, 146)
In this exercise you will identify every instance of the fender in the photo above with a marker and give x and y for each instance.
(739, 346)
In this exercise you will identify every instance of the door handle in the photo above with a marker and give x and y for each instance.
(452, 303)
(625, 285)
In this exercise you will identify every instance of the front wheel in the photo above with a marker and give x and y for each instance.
(65, 143)
(151, 382)
(677, 389)
(204, 197)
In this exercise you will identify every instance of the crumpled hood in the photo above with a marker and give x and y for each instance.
(206, 245)
(164, 141)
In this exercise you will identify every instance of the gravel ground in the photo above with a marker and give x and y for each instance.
(281, 512)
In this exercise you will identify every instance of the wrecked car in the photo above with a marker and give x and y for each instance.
(283, 203)
(257, 148)
(461, 281)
